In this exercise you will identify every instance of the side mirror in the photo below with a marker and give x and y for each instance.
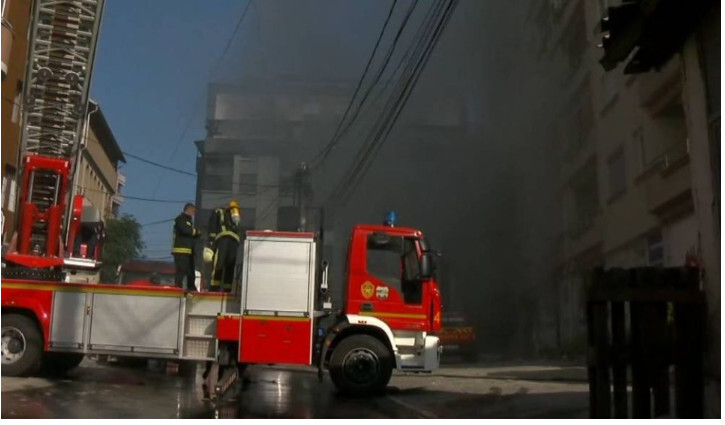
(426, 266)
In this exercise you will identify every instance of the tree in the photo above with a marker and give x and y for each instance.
(123, 242)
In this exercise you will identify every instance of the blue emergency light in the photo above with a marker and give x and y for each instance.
(390, 218)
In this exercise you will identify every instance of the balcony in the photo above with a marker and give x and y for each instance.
(668, 182)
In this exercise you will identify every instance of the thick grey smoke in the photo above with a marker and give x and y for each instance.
(470, 161)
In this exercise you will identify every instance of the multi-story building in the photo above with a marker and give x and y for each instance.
(258, 134)
(99, 178)
(15, 22)
(639, 153)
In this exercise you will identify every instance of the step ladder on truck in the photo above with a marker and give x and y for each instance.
(274, 316)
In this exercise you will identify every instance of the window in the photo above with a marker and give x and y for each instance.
(247, 182)
(218, 172)
(394, 260)
(617, 174)
(248, 218)
(655, 249)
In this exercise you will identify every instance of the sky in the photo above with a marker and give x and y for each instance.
(155, 59)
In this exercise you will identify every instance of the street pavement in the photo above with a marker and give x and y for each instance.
(455, 391)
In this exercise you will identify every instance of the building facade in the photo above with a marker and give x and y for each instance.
(258, 134)
(15, 22)
(639, 158)
(99, 178)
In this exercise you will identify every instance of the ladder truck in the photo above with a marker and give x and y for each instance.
(62, 45)
(279, 311)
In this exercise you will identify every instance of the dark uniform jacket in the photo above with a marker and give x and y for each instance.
(221, 225)
(184, 235)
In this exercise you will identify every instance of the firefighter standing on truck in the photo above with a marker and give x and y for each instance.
(223, 245)
(183, 247)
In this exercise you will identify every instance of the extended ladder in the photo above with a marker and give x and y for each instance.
(61, 50)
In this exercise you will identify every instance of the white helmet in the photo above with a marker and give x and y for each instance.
(208, 255)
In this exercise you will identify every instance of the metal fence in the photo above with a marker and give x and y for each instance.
(646, 339)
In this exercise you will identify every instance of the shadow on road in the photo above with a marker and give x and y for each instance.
(493, 404)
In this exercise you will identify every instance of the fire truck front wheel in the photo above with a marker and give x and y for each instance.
(361, 365)
(22, 345)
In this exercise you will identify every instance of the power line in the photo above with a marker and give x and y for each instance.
(381, 70)
(216, 68)
(153, 223)
(135, 198)
(363, 152)
(360, 82)
(371, 152)
(156, 164)
(213, 74)
(396, 103)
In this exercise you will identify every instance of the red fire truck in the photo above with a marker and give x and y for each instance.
(271, 317)
(54, 311)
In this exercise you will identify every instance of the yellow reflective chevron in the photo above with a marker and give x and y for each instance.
(227, 233)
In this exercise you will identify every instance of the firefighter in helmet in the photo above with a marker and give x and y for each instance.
(183, 247)
(221, 251)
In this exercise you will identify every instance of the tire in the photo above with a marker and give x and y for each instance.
(361, 365)
(22, 346)
(56, 364)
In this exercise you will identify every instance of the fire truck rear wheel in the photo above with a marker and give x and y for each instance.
(361, 365)
(22, 345)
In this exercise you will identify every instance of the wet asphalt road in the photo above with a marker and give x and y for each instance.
(102, 391)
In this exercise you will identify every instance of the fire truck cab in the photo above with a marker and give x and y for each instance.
(276, 314)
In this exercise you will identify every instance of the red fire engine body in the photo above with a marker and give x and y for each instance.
(270, 318)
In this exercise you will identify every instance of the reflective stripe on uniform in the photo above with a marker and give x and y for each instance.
(227, 233)
(181, 250)
(221, 222)
(215, 282)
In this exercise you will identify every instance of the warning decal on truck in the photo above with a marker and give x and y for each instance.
(382, 292)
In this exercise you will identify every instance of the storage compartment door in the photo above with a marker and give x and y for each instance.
(135, 323)
(276, 340)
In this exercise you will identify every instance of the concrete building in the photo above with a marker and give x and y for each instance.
(15, 22)
(639, 157)
(99, 179)
(258, 133)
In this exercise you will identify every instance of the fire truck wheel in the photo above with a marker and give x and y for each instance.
(55, 364)
(361, 365)
(22, 345)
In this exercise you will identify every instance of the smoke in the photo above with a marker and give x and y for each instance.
(470, 160)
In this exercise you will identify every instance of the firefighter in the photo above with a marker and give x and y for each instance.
(224, 242)
(183, 247)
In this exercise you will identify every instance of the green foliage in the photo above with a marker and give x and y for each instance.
(123, 242)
